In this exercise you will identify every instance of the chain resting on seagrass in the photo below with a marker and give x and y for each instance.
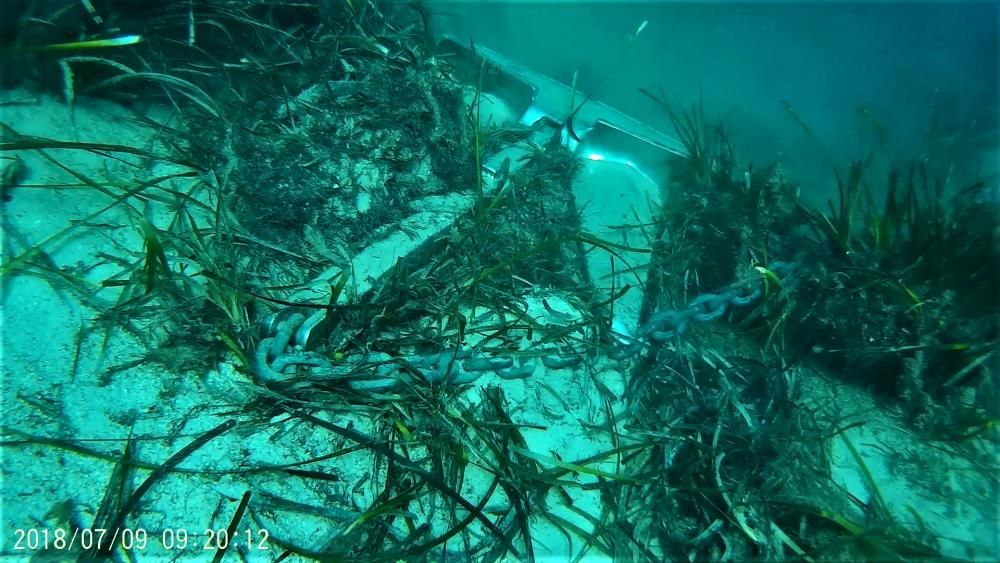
(282, 358)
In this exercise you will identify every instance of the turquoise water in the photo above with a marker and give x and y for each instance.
(908, 63)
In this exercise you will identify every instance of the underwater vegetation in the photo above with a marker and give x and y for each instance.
(293, 148)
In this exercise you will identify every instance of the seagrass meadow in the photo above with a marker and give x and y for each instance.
(324, 280)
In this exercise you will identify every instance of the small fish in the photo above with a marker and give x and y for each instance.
(880, 131)
(570, 129)
(983, 193)
(11, 174)
(636, 33)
